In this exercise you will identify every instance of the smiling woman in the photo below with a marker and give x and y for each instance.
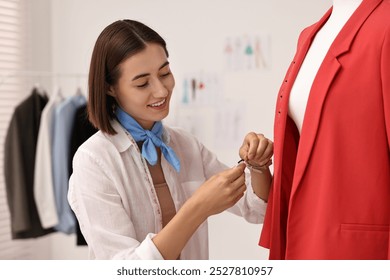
(143, 190)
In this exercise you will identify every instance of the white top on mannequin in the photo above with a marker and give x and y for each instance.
(341, 12)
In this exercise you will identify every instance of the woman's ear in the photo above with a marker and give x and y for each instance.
(111, 91)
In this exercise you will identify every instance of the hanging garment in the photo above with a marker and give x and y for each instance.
(63, 124)
(43, 179)
(19, 163)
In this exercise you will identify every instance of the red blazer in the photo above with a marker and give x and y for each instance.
(330, 197)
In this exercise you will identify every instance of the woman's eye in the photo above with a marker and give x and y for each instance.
(166, 74)
(143, 85)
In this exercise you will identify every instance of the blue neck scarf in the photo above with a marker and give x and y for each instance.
(151, 139)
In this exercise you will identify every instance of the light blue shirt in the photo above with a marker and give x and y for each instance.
(63, 124)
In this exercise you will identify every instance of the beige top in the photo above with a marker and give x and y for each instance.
(163, 194)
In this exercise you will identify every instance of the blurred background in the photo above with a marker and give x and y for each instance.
(228, 57)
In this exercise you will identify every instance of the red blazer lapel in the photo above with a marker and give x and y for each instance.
(322, 84)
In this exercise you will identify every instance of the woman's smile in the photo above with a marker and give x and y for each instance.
(158, 105)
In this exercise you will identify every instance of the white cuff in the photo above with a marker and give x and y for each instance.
(147, 250)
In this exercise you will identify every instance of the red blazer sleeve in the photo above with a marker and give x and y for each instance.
(385, 70)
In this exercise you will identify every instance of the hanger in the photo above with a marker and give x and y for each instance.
(79, 91)
(40, 90)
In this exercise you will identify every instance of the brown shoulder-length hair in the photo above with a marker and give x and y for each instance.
(117, 42)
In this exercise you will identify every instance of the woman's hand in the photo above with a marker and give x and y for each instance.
(221, 191)
(256, 150)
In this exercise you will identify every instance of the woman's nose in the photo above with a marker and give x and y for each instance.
(159, 89)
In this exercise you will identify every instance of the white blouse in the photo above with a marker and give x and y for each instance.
(113, 196)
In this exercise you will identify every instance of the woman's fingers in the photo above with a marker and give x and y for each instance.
(256, 149)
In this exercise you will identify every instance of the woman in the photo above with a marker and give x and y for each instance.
(141, 190)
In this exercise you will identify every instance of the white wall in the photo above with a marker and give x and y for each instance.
(39, 58)
(195, 32)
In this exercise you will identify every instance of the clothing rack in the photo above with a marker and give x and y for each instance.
(31, 73)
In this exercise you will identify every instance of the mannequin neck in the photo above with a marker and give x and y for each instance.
(344, 8)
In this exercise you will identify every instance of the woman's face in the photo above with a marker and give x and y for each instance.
(145, 86)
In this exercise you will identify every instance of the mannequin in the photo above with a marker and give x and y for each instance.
(341, 12)
(331, 184)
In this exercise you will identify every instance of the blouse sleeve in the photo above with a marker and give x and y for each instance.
(103, 220)
(250, 206)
